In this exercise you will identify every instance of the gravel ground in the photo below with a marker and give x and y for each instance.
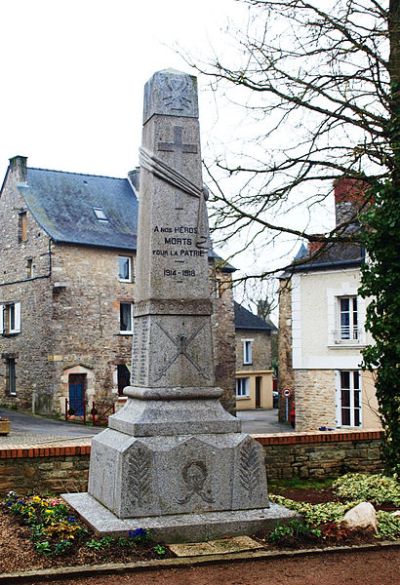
(351, 568)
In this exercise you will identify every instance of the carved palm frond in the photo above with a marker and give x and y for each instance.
(249, 473)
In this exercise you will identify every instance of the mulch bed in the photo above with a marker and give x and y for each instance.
(17, 552)
(311, 496)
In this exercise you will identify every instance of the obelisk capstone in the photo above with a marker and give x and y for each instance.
(172, 459)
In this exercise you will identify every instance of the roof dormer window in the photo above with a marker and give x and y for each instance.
(99, 213)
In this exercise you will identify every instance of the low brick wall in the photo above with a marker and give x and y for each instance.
(65, 469)
(44, 470)
(321, 454)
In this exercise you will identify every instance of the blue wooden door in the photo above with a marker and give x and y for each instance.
(76, 394)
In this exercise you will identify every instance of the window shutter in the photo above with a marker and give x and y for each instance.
(1, 319)
(17, 309)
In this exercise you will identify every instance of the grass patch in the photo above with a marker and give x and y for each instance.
(300, 484)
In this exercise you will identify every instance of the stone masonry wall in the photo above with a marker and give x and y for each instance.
(86, 320)
(70, 313)
(261, 350)
(62, 469)
(223, 325)
(315, 399)
(28, 286)
(286, 379)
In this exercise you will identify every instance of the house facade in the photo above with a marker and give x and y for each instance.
(67, 290)
(322, 334)
(253, 360)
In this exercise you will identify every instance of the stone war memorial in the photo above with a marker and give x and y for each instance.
(172, 460)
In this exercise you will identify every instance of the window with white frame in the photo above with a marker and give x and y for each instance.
(126, 318)
(247, 351)
(348, 319)
(10, 318)
(11, 378)
(125, 268)
(242, 387)
(349, 398)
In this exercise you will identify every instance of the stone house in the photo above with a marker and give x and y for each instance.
(322, 332)
(253, 360)
(67, 289)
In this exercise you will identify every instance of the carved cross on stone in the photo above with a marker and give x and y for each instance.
(177, 145)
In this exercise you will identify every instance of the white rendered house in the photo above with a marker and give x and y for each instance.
(324, 321)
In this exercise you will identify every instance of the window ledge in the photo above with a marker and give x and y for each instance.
(346, 345)
(125, 333)
(243, 397)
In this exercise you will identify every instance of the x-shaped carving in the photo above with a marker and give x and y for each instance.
(181, 342)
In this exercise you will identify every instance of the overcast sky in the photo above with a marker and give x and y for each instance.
(73, 73)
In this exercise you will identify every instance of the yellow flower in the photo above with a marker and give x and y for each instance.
(36, 500)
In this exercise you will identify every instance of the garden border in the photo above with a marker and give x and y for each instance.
(51, 468)
(137, 566)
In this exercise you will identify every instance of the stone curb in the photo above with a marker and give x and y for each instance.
(137, 566)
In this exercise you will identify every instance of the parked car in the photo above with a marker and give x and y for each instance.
(275, 399)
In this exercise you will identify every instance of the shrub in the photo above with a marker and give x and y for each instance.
(377, 488)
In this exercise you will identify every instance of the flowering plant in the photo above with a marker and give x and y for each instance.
(53, 527)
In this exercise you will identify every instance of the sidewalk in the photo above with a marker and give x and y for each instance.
(34, 430)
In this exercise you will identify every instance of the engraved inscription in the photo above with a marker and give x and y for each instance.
(139, 467)
(178, 244)
(181, 342)
(194, 476)
(139, 350)
(249, 473)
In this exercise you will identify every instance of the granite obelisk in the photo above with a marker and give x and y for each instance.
(173, 460)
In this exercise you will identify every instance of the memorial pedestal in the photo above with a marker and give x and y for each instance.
(173, 460)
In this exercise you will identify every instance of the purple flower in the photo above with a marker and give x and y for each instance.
(137, 533)
(71, 519)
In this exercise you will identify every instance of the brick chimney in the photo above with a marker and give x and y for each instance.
(313, 247)
(18, 167)
(349, 198)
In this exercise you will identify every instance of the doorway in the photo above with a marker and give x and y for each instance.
(76, 391)
(258, 391)
(124, 378)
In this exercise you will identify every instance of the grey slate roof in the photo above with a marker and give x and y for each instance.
(245, 319)
(334, 256)
(63, 205)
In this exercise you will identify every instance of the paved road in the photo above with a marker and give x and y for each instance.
(28, 429)
(262, 421)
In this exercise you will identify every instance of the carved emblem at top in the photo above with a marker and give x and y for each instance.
(171, 93)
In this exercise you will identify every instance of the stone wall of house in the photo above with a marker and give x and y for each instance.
(24, 278)
(223, 324)
(285, 379)
(261, 350)
(315, 399)
(70, 313)
(62, 469)
(86, 320)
